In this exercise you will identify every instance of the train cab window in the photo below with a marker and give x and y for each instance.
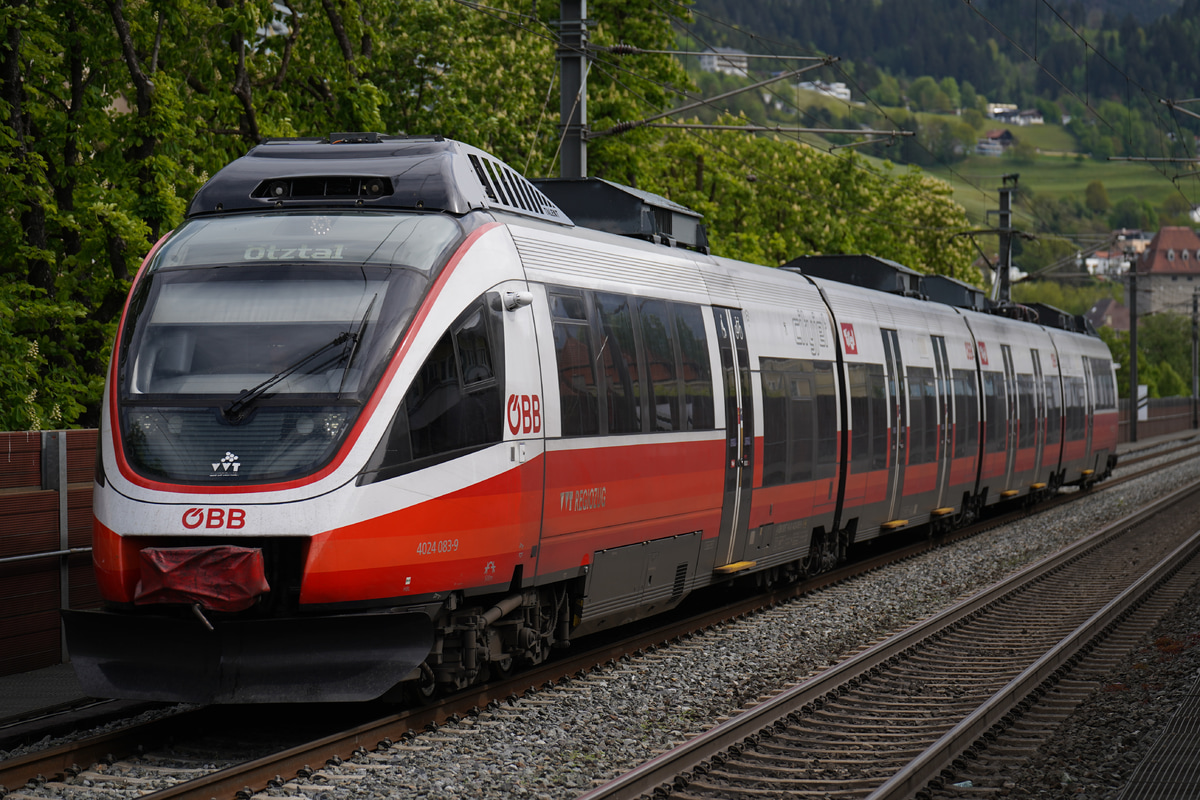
(799, 420)
(966, 414)
(619, 363)
(1027, 411)
(658, 342)
(695, 368)
(453, 404)
(578, 393)
(922, 416)
(995, 408)
(868, 418)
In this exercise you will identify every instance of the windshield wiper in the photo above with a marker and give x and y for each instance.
(358, 337)
(236, 410)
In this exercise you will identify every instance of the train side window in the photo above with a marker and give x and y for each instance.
(995, 406)
(662, 372)
(578, 394)
(696, 370)
(868, 417)
(966, 414)
(1074, 400)
(474, 356)
(827, 429)
(1026, 408)
(788, 420)
(1103, 390)
(618, 355)
(923, 416)
(453, 405)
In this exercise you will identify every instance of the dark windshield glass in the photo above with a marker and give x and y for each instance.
(253, 368)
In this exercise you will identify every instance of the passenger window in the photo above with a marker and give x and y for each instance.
(799, 420)
(1027, 409)
(966, 414)
(658, 341)
(868, 416)
(995, 403)
(923, 416)
(578, 394)
(618, 354)
(1053, 411)
(699, 411)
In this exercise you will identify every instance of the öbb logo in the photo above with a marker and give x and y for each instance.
(228, 518)
(524, 413)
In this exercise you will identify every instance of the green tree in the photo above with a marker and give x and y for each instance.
(1133, 212)
(115, 112)
(1096, 197)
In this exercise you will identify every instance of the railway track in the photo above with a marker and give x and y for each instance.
(908, 715)
(131, 762)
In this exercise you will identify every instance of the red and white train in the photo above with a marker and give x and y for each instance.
(380, 413)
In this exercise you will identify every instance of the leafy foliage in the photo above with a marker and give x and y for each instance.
(116, 112)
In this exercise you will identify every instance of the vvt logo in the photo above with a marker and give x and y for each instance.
(227, 464)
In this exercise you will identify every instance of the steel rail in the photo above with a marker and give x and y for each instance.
(772, 715)
(941, 754)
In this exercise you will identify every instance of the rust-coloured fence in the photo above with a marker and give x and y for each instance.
(45, 530)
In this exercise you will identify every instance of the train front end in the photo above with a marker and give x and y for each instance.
(259, 341)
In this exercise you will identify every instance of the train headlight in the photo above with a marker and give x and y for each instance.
(304, 426)
(333, 424)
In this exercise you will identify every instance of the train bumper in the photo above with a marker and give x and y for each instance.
(344, 658)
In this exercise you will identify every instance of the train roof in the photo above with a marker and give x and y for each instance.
(884, 275)
(613, 208)
(372, 170)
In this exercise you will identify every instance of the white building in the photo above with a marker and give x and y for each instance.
(726, 60)
(837, 90)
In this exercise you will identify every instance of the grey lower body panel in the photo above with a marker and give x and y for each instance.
(333, 658)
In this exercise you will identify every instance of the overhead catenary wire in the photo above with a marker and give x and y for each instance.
(605, 67)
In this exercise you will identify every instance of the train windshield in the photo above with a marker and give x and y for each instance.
(254, 340)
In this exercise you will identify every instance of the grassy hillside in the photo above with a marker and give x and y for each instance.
(1051, 176)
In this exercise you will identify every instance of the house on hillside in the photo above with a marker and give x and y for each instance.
(837, 90)
(994, 143)
(1131, 241)
(1109, 313)
(1009, 115)
(1168, 272)
(726, 60)
(1107, 262)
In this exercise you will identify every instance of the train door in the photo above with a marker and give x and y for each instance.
(739, 436)
(893, 366)
(1039, 410)
(1013, 419)
(945, 437)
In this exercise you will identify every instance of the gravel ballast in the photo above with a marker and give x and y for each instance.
(560, 742)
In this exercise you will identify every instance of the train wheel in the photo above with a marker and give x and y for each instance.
(826, 551)
(424, 688)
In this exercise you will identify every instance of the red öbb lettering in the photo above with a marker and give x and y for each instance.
(524, 413)
(214, 518)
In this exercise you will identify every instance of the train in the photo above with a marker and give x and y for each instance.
(385, 416)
